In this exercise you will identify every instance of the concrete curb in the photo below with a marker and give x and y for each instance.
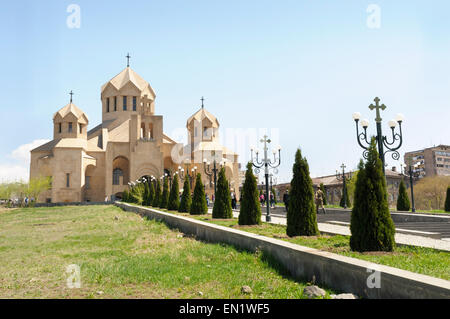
(335, 271)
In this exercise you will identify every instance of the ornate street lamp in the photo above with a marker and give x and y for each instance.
(413, 174)
(267, 163)
(382, 141)
(212, 171)
(183, 174)
(344, 178)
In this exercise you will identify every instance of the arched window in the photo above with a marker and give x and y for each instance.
(117, 173)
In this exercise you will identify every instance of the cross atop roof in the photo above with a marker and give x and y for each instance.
(71, 94)
(128, 60)
(202, 99)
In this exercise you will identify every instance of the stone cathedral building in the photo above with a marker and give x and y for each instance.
(128, 145)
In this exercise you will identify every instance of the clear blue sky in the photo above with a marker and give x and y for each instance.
(300, 67)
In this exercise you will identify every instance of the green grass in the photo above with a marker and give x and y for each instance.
(125, 257)
(421, 260)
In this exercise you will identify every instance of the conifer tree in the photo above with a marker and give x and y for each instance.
(186, 199)
(125, 196)
(322, 188)
(151, 193)
(372, 228)
(403, 204)
(174, 197)
(447, 201)
(199, 206)
(157, 198)
(301, 215)
(145, 195)
(165, 194)
(222, 203)
(250, 208)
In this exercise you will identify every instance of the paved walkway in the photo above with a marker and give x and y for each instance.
(401, 239)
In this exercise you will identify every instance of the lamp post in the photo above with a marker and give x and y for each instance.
(344, 178)
(381, 141)
(185, 173)
(267, 163)
(412, 175)
(212, 171)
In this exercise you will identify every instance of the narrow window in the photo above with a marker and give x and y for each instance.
(59, 128)
(107, 105)
(81, 128)
(88, 182)
(134, 103)
(70, 127)
(67, 180)
(124, 103)
(116, 176)
(115, 103)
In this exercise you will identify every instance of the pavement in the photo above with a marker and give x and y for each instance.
(323, 221)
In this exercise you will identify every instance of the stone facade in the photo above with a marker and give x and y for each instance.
(129, 144)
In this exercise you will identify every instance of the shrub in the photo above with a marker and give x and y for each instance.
(199, 206)
(345, 199)
(301, 215)
(222, 203)
(165, 194)
(372, 228)
(157, 198)
(250, 208)
(403, 204)
(186, 199)
(174, 197)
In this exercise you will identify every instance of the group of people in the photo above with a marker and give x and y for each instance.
(233, 200)
(262, 199)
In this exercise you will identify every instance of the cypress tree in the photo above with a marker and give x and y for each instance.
(447, 200)
(146, 195)
(322, 188)
(186, 199)
(199, 206)
(174, 197)
(222, 203)
(403, 204)
(301, 215)
(345, 200)
(157, 198)
(151, 193)
(250, 208)
(165, 194)
(372, 228)
(125, 196)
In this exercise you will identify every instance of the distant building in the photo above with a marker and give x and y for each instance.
(433, 161)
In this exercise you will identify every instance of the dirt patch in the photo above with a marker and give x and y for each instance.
(247, 226)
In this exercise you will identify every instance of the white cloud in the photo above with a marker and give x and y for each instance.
(19, 169)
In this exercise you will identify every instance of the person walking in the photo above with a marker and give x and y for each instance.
(319, 200)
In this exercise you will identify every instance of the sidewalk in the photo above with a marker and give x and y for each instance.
(401, 239)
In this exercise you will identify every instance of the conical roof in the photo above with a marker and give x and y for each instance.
(202, 114)
(126, 76)
(71, 109)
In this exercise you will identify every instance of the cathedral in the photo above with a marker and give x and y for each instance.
(99, 164)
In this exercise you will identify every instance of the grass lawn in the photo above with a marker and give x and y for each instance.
(421, 260)
(122, 255)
